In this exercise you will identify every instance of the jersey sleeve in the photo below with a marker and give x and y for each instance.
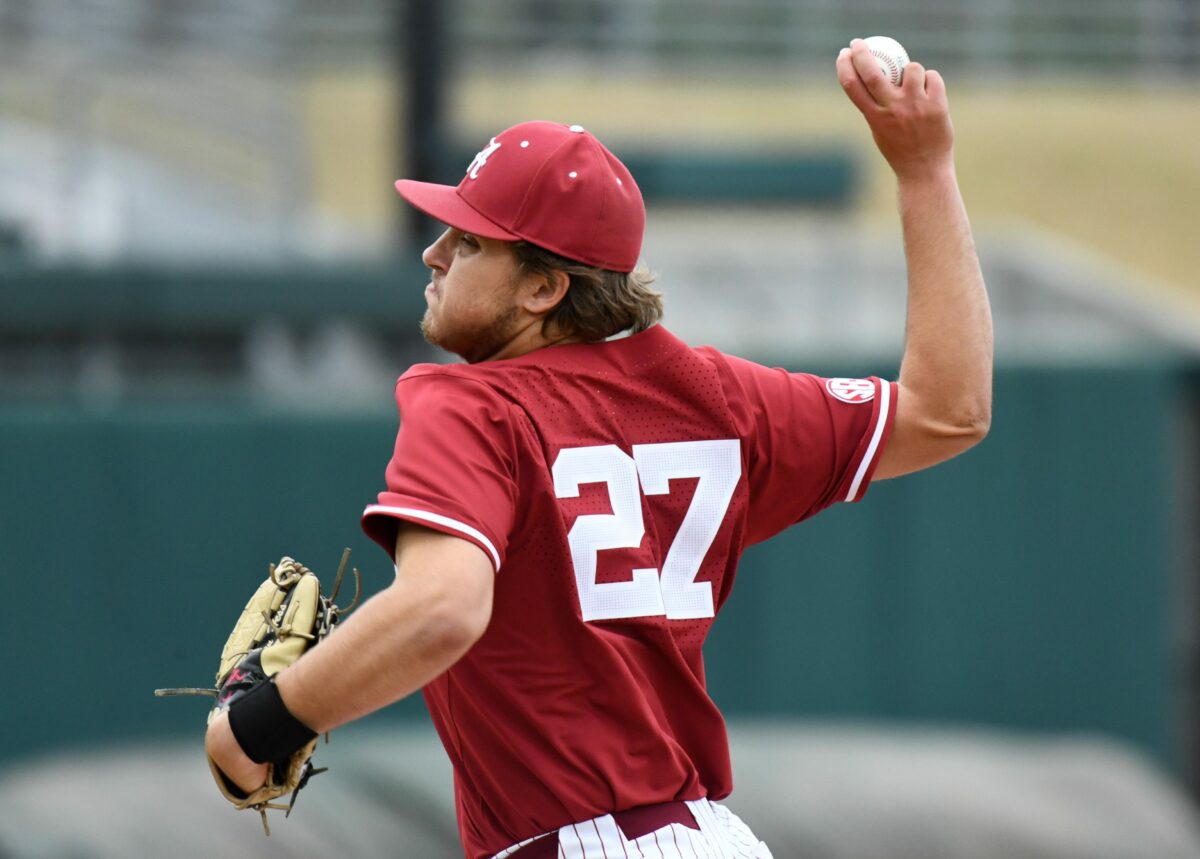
(811, 442)
(454, 465)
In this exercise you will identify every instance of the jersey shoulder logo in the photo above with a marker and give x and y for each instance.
(481, 158)
(851, 390)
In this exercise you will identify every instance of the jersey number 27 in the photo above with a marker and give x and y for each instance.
(675, 592)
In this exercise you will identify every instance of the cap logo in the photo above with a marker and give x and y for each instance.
(851, 390)
(481, 158)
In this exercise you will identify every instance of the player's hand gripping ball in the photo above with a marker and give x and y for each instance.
(910, 120)
(890, 55)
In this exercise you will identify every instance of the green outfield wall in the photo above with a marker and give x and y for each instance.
(1033, 583)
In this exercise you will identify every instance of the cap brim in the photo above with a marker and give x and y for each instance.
(443, 203)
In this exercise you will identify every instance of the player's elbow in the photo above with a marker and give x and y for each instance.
(981, 427)
(959, 422)
(971, 426)
(947, 408)
(959, 430)
(948, 433)
(927, 432)
(975, 421)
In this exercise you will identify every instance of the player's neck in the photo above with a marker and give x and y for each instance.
(528, 337)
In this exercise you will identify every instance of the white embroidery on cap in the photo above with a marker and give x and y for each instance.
(572, 174)
(524, 144)
(481, 158)
(578, 129)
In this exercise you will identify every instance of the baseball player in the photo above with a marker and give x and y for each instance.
(566, 510)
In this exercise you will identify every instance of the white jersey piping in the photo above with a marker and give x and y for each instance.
(885, 405)
(439, 519)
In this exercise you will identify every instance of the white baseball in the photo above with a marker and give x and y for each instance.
(890, 55)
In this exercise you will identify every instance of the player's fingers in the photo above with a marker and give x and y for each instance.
(914, 78)
(852, 83)
(882, 90)
(935, 87)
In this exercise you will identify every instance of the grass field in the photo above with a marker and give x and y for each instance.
(1115, 169)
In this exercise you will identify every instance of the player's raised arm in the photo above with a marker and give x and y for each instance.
(945, 387)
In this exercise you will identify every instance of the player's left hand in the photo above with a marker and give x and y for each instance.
(222, 746)
(285, 617)
(910, 122)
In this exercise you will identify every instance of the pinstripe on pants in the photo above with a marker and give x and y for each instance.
(722, 835)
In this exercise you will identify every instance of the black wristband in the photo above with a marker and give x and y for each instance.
(264, 727)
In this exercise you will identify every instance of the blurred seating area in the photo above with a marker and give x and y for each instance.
(1022, 37)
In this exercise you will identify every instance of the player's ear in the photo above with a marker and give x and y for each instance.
(544, 291)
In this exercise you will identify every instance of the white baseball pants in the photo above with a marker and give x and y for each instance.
(722, 835)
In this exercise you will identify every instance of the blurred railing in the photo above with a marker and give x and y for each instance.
(990, 37)
(1009, 37)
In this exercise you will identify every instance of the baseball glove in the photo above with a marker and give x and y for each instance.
(285, 617)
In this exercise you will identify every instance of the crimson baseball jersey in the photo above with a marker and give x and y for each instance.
(614, 486)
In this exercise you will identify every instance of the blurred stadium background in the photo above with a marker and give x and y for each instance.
(207, 288)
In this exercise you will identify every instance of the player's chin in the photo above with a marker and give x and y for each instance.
(438, 335)
(429, 329)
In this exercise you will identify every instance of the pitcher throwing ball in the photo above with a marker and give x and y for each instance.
(566, 511)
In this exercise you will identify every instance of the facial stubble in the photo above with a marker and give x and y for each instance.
(473, 342)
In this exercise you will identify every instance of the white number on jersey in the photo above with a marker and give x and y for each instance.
(676, 594)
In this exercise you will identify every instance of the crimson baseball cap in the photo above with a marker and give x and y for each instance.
(553, 185)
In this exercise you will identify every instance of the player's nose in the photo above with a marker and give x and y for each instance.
(436, 255)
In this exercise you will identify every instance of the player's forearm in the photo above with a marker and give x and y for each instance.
(390, 647)
(947, 365)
